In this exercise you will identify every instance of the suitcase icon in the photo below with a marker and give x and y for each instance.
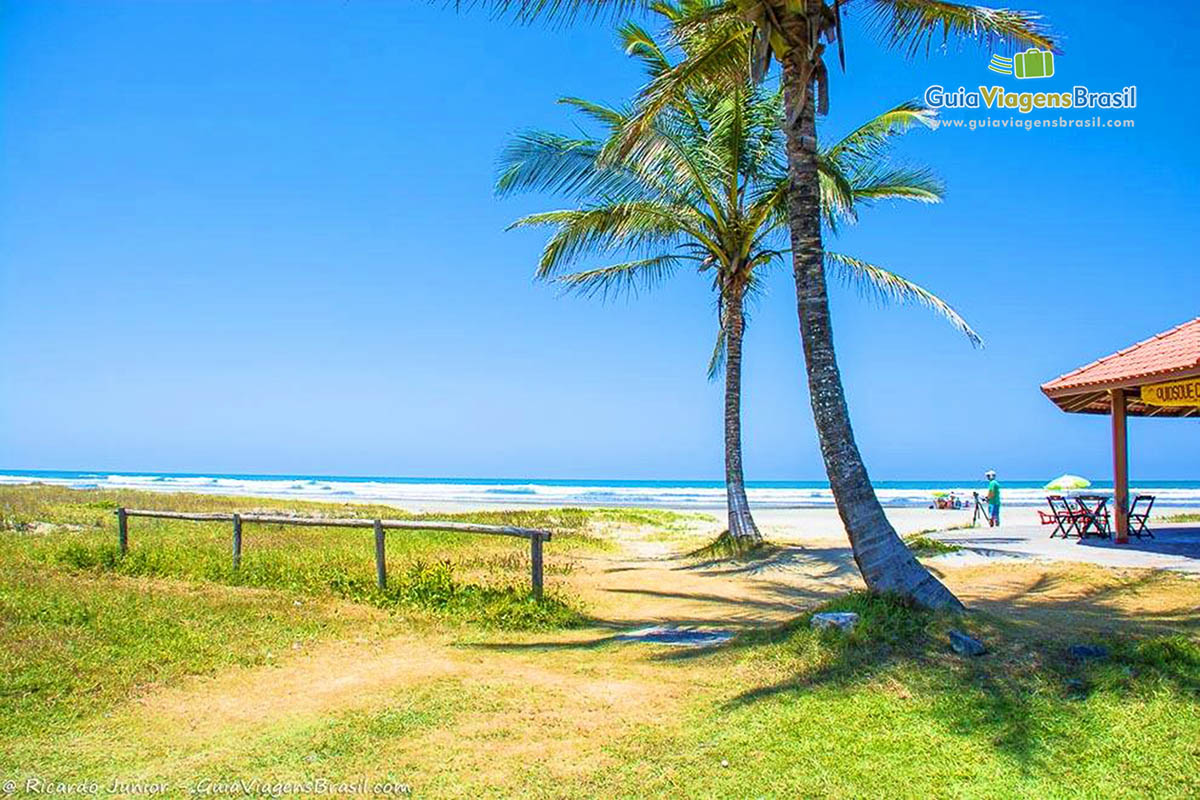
(1033, 63)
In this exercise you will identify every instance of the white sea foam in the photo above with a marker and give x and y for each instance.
(658, 494)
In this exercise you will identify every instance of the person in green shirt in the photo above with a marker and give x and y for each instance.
(993, 499)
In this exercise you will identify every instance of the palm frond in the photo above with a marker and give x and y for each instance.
(856, 170)
(716, 361)
(719, 63)
(873, 136)
(837, 193)
(612, 118)
(766, 212)
(639, 43)
(526, 11)
(622, 279)
(539, 161)
(887, 286)
(603, 229)
(667, 147)
(913, 25)
(919, 184)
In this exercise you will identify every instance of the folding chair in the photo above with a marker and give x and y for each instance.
(1063, 517)
(1138, 518)
(1096, 517)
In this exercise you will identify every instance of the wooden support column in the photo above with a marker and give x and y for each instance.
(122, 531)
(237, 542)
(535, 553)
(380, 557)
(1120, 446)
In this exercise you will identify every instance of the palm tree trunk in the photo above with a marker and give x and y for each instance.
(741, 523)
(883, 559)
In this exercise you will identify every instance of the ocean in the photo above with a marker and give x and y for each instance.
(559, 492)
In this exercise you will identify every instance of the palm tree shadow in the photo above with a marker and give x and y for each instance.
(1001, 695)
(970, 700)
(999, 699)
(819, 563)
(1096, 609)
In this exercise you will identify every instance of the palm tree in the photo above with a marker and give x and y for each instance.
(794, 34)
(705, 183)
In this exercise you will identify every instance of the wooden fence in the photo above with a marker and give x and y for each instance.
(536, 537)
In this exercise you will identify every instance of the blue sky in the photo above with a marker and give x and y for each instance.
(261, 237)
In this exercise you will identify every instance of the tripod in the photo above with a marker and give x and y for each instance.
(981, 510)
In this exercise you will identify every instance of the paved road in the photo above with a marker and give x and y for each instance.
(1175, 547)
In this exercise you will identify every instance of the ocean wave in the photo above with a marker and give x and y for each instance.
(663, 494)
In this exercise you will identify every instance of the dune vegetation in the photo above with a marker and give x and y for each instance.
(165, 666)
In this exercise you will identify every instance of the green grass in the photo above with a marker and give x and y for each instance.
(1181, 518)
(885, 711)
(333, 741)
(83, 629)
(923, 546)
(466, 577)
(75, 646)
(890, 711)
(728, 547)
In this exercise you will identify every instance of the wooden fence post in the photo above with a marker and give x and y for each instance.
(380, 559)
(535, 552)
(237, 542)
(122, 531)
(537, 538)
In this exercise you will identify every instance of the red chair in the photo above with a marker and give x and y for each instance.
(1064, 518)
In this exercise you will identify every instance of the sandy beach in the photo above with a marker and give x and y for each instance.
(805, 525)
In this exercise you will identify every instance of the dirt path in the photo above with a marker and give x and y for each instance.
(650, 580)
(558, 698)
(564, 698)
(502, 702)
(645, 582)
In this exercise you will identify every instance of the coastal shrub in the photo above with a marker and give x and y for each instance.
(727, 546)
(883, 619)
(428, 585)
(422, 585)
(923, 546)
(480, 579)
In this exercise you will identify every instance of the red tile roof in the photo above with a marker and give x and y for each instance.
(1173, 351)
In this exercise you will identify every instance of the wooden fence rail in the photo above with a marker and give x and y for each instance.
(536, 537)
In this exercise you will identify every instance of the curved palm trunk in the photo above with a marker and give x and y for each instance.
(741, 523)
(883, 559)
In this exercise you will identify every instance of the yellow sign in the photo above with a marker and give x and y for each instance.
(1175, 393)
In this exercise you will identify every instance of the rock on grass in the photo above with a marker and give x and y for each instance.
(966, 645)
(842, 620)
(1087, 652)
